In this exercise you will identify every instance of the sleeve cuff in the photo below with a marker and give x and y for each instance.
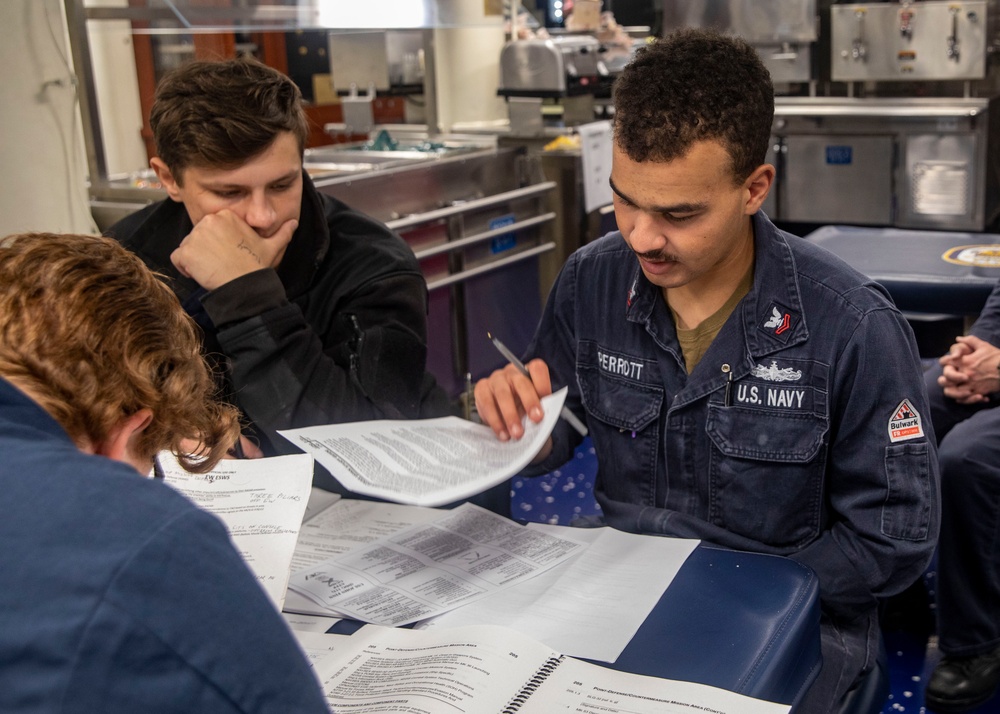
(245, 297)
(562, 451)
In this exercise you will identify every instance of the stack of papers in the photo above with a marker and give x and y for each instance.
(581, 592)
(461, 556)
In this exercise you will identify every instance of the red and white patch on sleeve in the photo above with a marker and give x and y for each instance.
(905, 423)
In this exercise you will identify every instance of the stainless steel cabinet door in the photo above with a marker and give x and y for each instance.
(837, 179)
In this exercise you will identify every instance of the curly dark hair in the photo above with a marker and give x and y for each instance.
(222, 114)
(690, 86)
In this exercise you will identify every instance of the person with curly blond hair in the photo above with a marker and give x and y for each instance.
(117, 594)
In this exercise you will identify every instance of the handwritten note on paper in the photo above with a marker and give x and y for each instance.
(462, 556)
(261, 502)
(424, 462)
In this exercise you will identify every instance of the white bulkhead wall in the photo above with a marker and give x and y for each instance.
(42, 181)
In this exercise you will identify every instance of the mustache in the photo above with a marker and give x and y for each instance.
(655, 256)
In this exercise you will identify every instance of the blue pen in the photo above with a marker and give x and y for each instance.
(512, 358)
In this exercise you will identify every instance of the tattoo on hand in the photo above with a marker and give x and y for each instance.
(244, 247)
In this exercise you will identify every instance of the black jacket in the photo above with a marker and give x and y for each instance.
(337, 333)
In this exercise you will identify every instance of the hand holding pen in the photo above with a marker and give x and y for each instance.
(503, 398)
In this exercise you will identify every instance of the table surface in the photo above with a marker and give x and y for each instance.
(924, 271)
(746, 622)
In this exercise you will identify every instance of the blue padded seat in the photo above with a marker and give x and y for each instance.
(746, 622)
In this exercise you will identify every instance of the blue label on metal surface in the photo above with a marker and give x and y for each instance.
(505, 241)
(839, 154)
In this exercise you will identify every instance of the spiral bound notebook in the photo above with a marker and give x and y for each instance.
(485, 668)
(531, 686)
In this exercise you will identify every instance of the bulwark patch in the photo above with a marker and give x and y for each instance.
(905, 423)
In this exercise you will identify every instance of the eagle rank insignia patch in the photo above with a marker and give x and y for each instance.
(905, 423)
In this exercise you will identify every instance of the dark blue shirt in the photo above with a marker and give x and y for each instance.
(117, 594)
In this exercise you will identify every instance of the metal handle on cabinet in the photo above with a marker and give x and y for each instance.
(480, 237)
(788, 52)
(490, 267)
(426, 217)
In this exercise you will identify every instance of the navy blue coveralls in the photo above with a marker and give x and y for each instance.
(802, 432)
(968, 589)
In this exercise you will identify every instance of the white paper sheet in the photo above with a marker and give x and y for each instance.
(319, 500)
(595, 160)
(261, 502)
(464, 555)
(577, 686)
(343, 526)
(350, 523)
(589, 606)
(492, 669)
(424, 462)
(322, 649)
(309, 623)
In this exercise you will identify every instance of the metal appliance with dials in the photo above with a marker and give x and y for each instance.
(908, 41)
(570, 69)
(905, 154)
(784, 32)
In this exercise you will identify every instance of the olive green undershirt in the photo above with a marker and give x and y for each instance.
(696, 341)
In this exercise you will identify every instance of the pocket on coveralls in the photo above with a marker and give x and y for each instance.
(625, 431)
(766, 473)
(906, 513)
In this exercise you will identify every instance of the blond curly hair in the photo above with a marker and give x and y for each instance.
(94, 336)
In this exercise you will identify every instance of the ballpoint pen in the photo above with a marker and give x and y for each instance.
(469, 398)
(512, 358)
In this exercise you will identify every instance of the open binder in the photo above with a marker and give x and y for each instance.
(485, 668)
(529, 688)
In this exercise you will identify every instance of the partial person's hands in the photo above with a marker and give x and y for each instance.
(970, 370)
(245, 449)
(952, 377)
(503, 398)
(223, 247)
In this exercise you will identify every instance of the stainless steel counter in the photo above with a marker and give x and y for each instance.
(909, 162)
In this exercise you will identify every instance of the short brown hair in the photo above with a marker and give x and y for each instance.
(690, 86)
(94, 336)
(222, 114)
